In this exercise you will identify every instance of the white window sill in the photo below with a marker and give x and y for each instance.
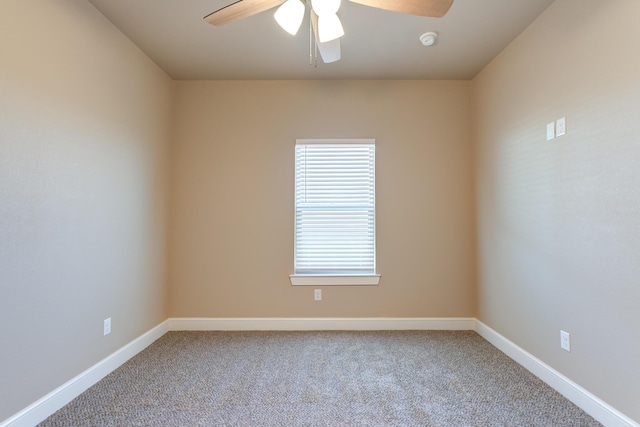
(321, 280)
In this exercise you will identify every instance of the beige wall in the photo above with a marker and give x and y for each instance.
(232, 196)
(84, 132)
(559, 222)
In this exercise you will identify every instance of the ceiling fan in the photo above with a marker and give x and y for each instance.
(326, 28)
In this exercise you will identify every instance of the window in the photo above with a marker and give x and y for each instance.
(335, 213)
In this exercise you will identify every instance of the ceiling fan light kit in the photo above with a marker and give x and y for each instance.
(329, 25)
(325, 7)
(329, 28)
(289, 16)
(325, 26)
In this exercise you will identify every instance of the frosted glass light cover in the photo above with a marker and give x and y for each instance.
(325, 7)
(289, 16)
(329, 28)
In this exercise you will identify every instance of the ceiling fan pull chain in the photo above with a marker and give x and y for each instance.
(310, 41)
(313, 41)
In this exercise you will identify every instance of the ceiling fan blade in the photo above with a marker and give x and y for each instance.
(431, 8)
(240, 9)
(329, 51)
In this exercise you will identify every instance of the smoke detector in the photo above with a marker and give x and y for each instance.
(429, 39)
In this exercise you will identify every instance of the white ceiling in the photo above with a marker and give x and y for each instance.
(377, 44)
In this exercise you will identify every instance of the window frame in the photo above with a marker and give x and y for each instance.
(332, 279)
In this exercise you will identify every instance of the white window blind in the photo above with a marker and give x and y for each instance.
(335, 207)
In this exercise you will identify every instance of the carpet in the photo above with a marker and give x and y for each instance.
(332, 378)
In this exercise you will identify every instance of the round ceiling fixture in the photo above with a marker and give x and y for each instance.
(429, 39)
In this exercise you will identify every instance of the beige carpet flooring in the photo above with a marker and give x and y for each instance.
(399, 378)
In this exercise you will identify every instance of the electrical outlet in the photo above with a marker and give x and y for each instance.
(107, 326)
(551, 131)
(561, 126)
(317, 295)
(565, 340)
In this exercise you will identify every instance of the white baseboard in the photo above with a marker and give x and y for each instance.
(320, 324)
(47, 405)
(589, 403)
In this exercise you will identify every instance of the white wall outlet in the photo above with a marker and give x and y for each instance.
(565, 340)
(317, 294)
(107, 326)
(551, 131)
(561, 126)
